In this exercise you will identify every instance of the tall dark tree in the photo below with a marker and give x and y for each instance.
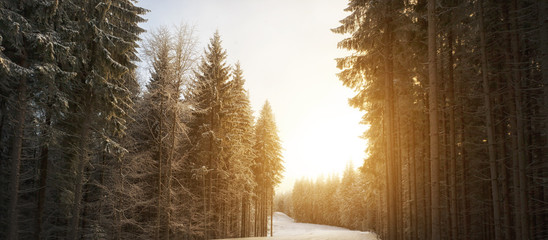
(32, 57)
(206, 134)
(466, 151)
(42, 45)
(433, 113)
(100, 94)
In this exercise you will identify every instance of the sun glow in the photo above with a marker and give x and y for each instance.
(324, 140)
(288, 57)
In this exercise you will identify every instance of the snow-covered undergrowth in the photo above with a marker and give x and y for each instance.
(286, 228)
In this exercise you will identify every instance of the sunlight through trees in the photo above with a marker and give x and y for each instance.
(454, 95)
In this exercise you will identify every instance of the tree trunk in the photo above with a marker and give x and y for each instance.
(426, 180)
(391, 165)
(271, 213)
(17, 144)
(452, 138)
(81, 162)
(204, 203)
(500, 115)
(43, 176)
(543, 31)
(174, 126)
(462, 163)
(490, 126)
(243, 219)
(257, 215)
(265, 213)
(160, 162)
(3, 116)
(413, 179)
(433, 113)
(513, 123)
(502, 130)
(522, 161)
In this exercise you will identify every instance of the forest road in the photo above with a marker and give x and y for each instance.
(285, 228)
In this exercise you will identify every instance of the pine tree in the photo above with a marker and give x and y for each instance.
(208, 94)
(445, 194)
(161, 100)
(107, 42)
(379, 35)
(238, 122)
(268, 166)
(32, 54)
(156, 158)
(347, 193)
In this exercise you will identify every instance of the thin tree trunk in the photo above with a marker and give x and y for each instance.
(501, 130)
(543, 31)
(3, 116)
(271, 212)
(522, 161)
(452, 138)
(512, 129)
(170, 157)
(43, 176)
(515, 164)
(119, 204)
(398, 164)
(414, 196)
(81, 162)
(490, 126)
(17, 144)
(257, 215)
(265, 213)
(160, 140)
(204, 202)
(433, 113)
(426, 181)
(467, 222)
(243, 220)
(391, 166)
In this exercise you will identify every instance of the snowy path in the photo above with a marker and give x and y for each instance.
(286, 228)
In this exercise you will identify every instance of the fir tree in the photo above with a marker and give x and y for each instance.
(208, 94)
(237, 125)
(268, 166)
(428, 176)
(33, 66)
(99, 102)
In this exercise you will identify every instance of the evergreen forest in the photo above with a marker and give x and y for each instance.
(88, 153)
(454, 94)
(456, 97)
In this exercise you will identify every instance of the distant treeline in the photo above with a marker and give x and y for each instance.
(327, 200)
(85, 153)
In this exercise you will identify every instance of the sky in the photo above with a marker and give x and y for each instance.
(287, 52)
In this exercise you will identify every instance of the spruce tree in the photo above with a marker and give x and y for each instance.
(208, 93)
(99, 100)
(33, 66)
(268, 166)
(448, 134)
(159, 105)
(237, 123)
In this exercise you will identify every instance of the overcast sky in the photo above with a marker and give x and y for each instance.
(287, 52)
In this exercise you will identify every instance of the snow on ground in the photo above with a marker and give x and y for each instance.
(286, 228)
